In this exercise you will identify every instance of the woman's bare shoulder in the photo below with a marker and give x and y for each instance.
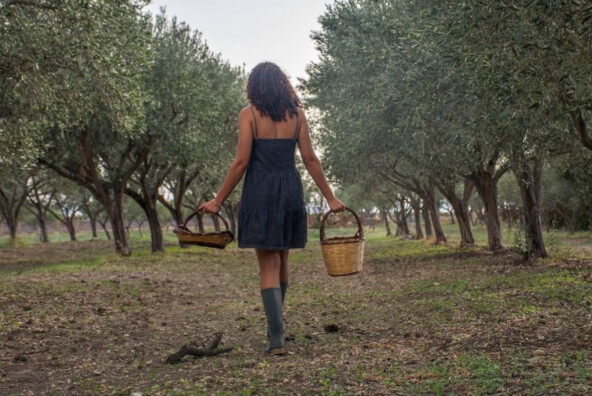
(302, 116)
(245, 114)
(301, 113)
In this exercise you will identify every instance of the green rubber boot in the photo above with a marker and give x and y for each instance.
(284, 287)
(272, 304)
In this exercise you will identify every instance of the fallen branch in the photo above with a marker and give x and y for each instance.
(192, 349)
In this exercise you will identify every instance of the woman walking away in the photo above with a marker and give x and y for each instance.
(272, 215)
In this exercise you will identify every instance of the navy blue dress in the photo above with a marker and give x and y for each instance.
(272, 214)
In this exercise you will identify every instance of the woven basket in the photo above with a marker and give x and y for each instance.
(343, 255)
(211, 239)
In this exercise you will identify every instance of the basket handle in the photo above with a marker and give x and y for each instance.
(359, 234)
(195, 213)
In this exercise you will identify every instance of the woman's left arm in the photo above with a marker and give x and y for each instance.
(239, 165)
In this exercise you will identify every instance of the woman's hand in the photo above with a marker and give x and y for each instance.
(336, 205)
(210, 207)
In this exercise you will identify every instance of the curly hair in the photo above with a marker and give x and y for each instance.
(270, 91)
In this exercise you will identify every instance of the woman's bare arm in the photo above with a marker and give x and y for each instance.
(239, 165)
(313, 165)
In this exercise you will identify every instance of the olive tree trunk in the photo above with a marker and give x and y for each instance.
(417, 217)
(383, 213)
(529, 178)
(460, 207)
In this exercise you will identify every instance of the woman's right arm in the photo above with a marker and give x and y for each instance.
(239, 165)
(314, 167)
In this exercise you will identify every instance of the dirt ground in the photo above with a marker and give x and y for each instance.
(420, 319)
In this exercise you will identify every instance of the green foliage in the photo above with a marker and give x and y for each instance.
(417, 91)
(195, 97)
(113, 99)
(61, 61)
(567, 191)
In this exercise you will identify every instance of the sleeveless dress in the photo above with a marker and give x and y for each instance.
(272, 214)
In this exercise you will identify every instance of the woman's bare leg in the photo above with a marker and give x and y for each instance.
(269, 267)
(284, 266)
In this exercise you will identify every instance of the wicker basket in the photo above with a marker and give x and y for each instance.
(343, 256)
(211, 239)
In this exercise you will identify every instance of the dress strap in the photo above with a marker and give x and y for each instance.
(297, 126)
(254, 120)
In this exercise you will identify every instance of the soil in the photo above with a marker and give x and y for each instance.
(79, 320)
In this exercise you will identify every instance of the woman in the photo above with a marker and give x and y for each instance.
(272, 215)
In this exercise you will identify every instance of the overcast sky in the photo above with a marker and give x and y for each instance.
(253, 31)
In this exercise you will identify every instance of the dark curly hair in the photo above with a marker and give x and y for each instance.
(270, 91)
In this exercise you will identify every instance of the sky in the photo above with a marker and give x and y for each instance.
(249, 32)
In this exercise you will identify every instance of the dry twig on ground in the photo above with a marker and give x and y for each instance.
(191, 349)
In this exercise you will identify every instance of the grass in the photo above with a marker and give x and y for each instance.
(553, 238)
(26, 239)
(420, 319)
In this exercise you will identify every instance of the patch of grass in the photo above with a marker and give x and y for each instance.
(485, 373)
(554, 238)
(472, 373)
(411, 249)
(90, 385)
(73, 266)
(450, 286)
(553, 285)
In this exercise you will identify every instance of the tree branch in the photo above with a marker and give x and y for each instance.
(68, 175)
(501, 171)
(577, 118)
(190, 349)
(582, 128)
(126, 176)
(166, 204)
(57, 216)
